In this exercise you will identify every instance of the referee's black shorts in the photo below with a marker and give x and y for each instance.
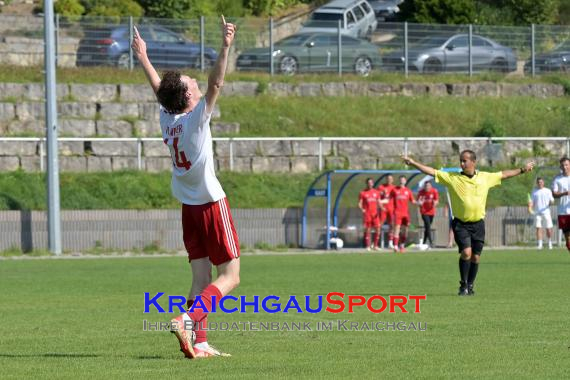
(469, 234)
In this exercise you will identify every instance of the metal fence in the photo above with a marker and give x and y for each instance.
(320, 148)
(277, 47)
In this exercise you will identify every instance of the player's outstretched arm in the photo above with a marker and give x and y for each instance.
(139, 50)
(421, 167)
(514, 172)
(216, 78)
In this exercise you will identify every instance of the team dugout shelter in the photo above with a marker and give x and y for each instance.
(330, 208)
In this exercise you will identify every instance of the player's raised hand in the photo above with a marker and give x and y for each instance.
(529, 166)
(407, 160)
(138, 45)
(228, 32)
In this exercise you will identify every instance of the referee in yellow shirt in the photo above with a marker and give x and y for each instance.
(468, 192)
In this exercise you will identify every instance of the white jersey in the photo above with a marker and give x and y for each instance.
(541, 199)
(561, 184)
(189, 139)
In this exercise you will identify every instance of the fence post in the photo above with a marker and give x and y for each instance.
(139, 153)
(470, 50)
(320, 153)
(339, 35)
(42, 154)
(532, 51)
(568, 147)
(406, 49)
(231, 154)
(271, 69)
(202, 43)
(131, 58)
(56, 39)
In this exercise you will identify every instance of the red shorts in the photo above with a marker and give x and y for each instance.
(208, 231)
(371, 220)
(401, 219)
(564, 222)
(386, 216)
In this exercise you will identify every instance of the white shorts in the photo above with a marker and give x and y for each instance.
(543, 220)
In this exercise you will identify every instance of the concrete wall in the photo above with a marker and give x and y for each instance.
(107, 110)
(130, 229)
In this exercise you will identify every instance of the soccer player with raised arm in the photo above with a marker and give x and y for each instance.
(561, 190)
(208, 230)
(468, 193)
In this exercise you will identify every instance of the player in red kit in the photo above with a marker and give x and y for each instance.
(368, 203)
(386, 206)
(428, 198)
(400, 196)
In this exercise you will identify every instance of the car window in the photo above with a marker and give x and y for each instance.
(325, 20)
(358, 13)
(164, 36)
(365, 7)
(345, 40)
(295, 40)
(323, 41)
(350, 18)
(480, 42)
(458, 42)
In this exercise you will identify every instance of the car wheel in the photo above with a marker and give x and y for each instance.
(432, 65)
(123, 61)
(288, 65)
(362, 66)
(499, 66)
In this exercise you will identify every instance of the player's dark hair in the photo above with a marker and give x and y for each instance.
(539, 179)
(403, 176)
(368, 179)
(171, 93)
(564, 159)
(472, 155)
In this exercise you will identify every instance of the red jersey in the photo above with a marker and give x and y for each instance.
(385, 191)
(369, 198)
(400, 197)
(427, 201)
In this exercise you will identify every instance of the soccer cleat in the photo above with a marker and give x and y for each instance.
(402, 249)
(376, 248)
(390, 244)
(368, 249)
(549, 245)
(462, 289)
(204, 350)
(470, 291)
(185, 337)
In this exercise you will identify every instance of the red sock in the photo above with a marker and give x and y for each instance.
(200, 330)
(568, 244)
(396, 239)
(367, 239)
(198, 314)
(376, 239)
(403, 239)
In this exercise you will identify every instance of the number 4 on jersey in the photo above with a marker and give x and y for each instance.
(179, 157)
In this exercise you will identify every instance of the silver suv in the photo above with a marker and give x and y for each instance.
(356, 16)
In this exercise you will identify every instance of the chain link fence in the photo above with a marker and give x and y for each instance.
(293, 45)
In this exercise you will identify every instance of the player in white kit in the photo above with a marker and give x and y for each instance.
(541, 200)
(208, 229)
(561, 190)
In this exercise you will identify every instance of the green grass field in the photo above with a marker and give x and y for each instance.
(83, 318)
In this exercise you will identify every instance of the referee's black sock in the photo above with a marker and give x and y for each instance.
(472, 273)
(464, 270)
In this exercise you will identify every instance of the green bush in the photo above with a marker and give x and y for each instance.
(489, 128)
(69, 8)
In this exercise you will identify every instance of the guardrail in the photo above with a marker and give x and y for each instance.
(319, 141)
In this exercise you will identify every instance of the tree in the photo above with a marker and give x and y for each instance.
(438, 11)
(518, 12)
(112, 8)
(69, 8)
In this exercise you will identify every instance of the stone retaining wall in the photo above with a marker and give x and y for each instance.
(108, 110)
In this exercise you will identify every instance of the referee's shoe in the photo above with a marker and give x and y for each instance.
(463, 291)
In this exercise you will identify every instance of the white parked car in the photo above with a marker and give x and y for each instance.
(356, 16)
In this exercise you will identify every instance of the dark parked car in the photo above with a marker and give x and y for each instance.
(451, 53)
(313, 52)
(110, 46)
(554, 60)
